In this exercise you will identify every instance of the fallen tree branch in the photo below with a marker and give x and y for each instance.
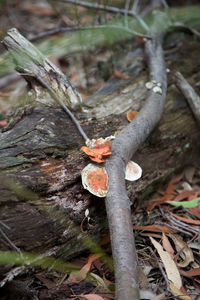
(182, 27)
(189, 93)
(111, 9)
(30, 66)
(30, 62)
(123, 148)
(79, 28)
(107, 8)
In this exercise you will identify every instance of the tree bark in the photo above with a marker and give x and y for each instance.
(42, 198)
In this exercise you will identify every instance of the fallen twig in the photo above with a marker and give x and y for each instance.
(92, 27)
(123, 148)
(189, 93)
(111, 9)
(183, 27)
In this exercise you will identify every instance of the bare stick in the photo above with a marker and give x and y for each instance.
(9, 241)
(127, 4)
(135, 6)
(165, 4)
(123, 148)
(110, 9)
(70, 114)
(181, 26)
(191, 96)
(76, 28)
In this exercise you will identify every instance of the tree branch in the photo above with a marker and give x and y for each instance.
(123, 148)
(79, 28)
(189, 93)
(110, 9)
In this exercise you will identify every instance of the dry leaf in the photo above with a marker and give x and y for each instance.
(186, 254)
(76, 276)
(190, 195)
(178, 292)
(195, 211)
(191, 273)
(154, 228)
(167, 245)
(120, 75)
(170, 193)
(170, 266)
(190, 221)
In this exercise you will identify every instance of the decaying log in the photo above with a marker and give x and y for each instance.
(42, 198)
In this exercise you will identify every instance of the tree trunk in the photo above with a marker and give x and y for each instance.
(42, 199)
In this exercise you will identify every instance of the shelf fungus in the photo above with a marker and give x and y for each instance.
(94, 178)
(131, 115)
(98, 149)
(133, 171)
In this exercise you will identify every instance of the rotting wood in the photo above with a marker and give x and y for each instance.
(190, 94)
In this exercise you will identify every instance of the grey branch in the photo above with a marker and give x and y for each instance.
(31, 63)
(189, 93)
(123, 148)
(110, 9)
(92, 27)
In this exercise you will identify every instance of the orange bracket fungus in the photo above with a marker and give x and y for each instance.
(98, 149)
(94, 178)
(131, 115)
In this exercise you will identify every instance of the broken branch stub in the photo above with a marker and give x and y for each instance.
(32, 64)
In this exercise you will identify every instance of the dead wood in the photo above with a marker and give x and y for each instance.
(42, 199)
(123, 147)
(190, 94)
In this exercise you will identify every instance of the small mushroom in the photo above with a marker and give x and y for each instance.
(149, 85)
(157, 90)
(133, 171)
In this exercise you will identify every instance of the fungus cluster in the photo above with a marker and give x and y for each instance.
(94, 177)
(154, 86)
